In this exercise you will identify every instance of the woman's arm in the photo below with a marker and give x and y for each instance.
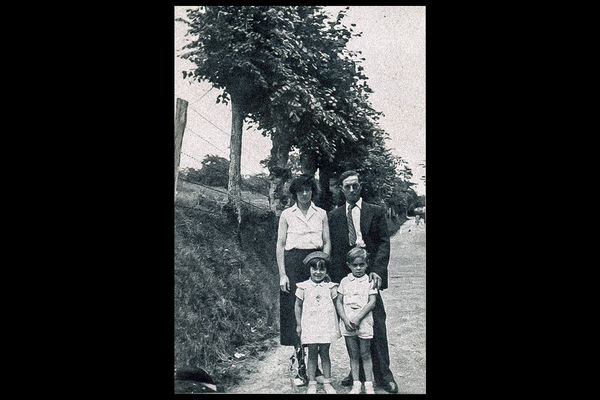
(326, 238)
(284, 283)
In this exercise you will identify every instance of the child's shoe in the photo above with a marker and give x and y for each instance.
(369, 388)
(312, 387)
(356, 387)
(328, 388)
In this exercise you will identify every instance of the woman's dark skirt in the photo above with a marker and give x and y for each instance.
(296, 272)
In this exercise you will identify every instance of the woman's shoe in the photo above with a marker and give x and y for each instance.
(319, 376)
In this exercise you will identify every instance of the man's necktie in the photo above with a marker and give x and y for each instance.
(351, 229)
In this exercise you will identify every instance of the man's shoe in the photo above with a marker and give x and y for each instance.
(347, 381)
(391, 387)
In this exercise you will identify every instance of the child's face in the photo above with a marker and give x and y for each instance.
(358, 266)
(318, 272)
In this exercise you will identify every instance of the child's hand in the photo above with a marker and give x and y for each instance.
(354, 322)
(348, 325)
(299, 330)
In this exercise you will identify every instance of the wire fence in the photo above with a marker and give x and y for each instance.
(243, 185)
(220, 149)
(225, 193)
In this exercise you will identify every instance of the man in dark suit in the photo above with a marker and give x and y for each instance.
(358, 223)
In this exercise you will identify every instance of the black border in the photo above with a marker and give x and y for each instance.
(123, 265)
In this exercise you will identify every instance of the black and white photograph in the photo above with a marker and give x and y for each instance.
(300, 199)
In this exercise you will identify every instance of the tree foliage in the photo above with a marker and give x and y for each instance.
(258, 183)
(213, 171)
(289, 70)
(287, 65)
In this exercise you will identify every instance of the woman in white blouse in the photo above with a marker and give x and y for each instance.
(303, 228)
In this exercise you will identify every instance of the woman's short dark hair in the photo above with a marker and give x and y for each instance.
(303, 181)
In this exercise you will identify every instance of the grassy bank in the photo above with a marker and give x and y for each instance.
(226, 308)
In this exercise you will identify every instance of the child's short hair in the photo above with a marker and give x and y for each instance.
(355, 253)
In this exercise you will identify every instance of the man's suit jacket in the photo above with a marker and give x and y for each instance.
(373, 227)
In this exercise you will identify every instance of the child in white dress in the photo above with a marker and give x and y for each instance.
(316, 318)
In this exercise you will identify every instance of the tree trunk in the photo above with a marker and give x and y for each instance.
(279, 173)
(325, 197)
(308, 163)
(235, 154)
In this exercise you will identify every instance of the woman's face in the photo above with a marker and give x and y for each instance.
(304, 194)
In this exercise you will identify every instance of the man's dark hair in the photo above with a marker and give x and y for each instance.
(303, 181)
(347, 174)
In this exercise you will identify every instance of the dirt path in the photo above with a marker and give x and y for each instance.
(405, 307)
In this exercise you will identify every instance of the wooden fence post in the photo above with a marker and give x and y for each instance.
(180, 121)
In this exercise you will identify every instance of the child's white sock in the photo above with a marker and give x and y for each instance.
(356, 387)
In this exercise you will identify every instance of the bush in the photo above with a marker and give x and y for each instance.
(214, 172)
(258, 183)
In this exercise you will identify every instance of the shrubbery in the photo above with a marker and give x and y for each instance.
(214, 172)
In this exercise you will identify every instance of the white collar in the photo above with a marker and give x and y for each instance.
(353, 278)
(295, 206)
(358, 204)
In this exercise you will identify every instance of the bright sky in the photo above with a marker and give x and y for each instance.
(393, 44)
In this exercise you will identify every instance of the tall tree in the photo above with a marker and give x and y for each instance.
(234, 49)
(259, 56)
(288, 70)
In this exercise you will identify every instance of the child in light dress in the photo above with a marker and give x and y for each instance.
(355, 301)
(316, 318)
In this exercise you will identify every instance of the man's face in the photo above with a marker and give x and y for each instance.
(351, 188)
